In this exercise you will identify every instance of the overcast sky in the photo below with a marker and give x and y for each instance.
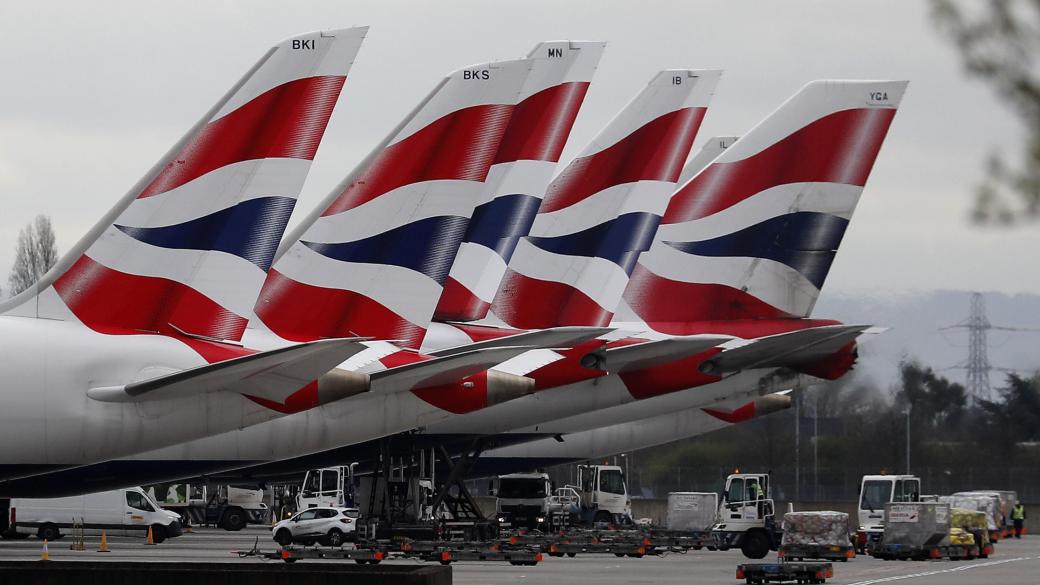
(93, 93)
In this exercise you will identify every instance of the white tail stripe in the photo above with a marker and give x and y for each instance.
(228, 280)
(773, 282)
(402, 206)
(219, 189)
(547, 72)
(480, 269)
(836, 199)
(599, 279)
(643, 196)
(333, 54)
(524, 177)
(397, 287)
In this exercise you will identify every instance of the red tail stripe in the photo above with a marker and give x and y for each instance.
(114, 302)
(654, 152)
(457, 302)
(541, 123)
(302, 312)
(287, 121)
(673, 304)
(478, 333)
(530, 303)
(838, 148)
(459, 146)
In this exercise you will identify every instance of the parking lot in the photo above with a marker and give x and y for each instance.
(1016, 562)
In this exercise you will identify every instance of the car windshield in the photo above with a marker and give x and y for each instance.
(875, 494)
(514, 487)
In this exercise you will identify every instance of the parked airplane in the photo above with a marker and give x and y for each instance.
(122, 346)
(328, 252)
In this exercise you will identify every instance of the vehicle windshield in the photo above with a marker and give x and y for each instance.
(611, 481)
(138, 501)
(521, 488)
(875, 494)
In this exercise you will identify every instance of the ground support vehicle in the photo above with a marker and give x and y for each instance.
(293, 554)
(229, 507)
(522, 499)
(745, 518)
(121, 512)
(801, 552)
(874, 492)
(785, 572)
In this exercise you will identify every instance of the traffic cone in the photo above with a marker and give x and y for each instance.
(104, 543)
(150, 540)
(45, 555)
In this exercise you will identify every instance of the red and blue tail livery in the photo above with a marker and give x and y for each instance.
(753, 234)
(373, 259)
(187, 250)
(524, 165)
(602, 211)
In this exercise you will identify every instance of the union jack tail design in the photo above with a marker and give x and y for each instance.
(373, 258)
(524, 165)
(602, 211)
(187, 249)
(753, 234)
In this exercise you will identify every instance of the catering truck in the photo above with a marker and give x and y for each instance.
(522, 499)
(120, 512)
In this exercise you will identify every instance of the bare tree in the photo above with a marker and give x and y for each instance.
(999, 42)
(36, 253)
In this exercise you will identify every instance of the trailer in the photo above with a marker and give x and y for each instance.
(226, 506)
(900, 552)
(801, 552)
(785, 572)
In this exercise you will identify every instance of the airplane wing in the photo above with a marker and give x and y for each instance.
(639, 356)
(273, 374)
(789, 349)
(442, 370)
(545, 338)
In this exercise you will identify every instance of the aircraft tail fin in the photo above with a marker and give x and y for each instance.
(753, 234)
(187, 249)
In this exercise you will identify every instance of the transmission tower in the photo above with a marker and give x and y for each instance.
(978, 365)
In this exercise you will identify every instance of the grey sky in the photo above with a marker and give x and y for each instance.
(94, 92)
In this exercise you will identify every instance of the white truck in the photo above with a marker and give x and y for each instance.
(874, 492)
(117, 512)
(522, 499)
(746, 516)
(226, 506)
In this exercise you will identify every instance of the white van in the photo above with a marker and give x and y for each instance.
(118, 512)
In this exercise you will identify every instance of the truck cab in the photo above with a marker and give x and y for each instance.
(331, 487)
(604, 494)
(874, 492)
(746, 517)
(522, 499)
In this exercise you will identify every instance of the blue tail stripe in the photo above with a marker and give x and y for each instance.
(427, 246)
(806, 241)
(619, 240)
(499, 224)
(250, 230)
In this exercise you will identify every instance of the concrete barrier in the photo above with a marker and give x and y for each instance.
(220, 573)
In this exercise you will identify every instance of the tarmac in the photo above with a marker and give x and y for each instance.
(1016, 562)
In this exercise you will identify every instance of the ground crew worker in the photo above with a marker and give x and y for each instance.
(1018, 516)
(755, 490)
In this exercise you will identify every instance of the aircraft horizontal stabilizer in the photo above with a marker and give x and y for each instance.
(272, 375)
(629, 358)
(442, 370)
(792, 349)
(543, 338)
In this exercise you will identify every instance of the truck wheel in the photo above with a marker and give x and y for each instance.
(334, 538)
(283, 537)
(158, 533)
(234, 519)
(48, 532)
(755, 545)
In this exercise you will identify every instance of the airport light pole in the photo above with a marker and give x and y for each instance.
(908, 408)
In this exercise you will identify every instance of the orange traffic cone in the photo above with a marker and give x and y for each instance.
(45, 555)
(104, 543)
(150, 540)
